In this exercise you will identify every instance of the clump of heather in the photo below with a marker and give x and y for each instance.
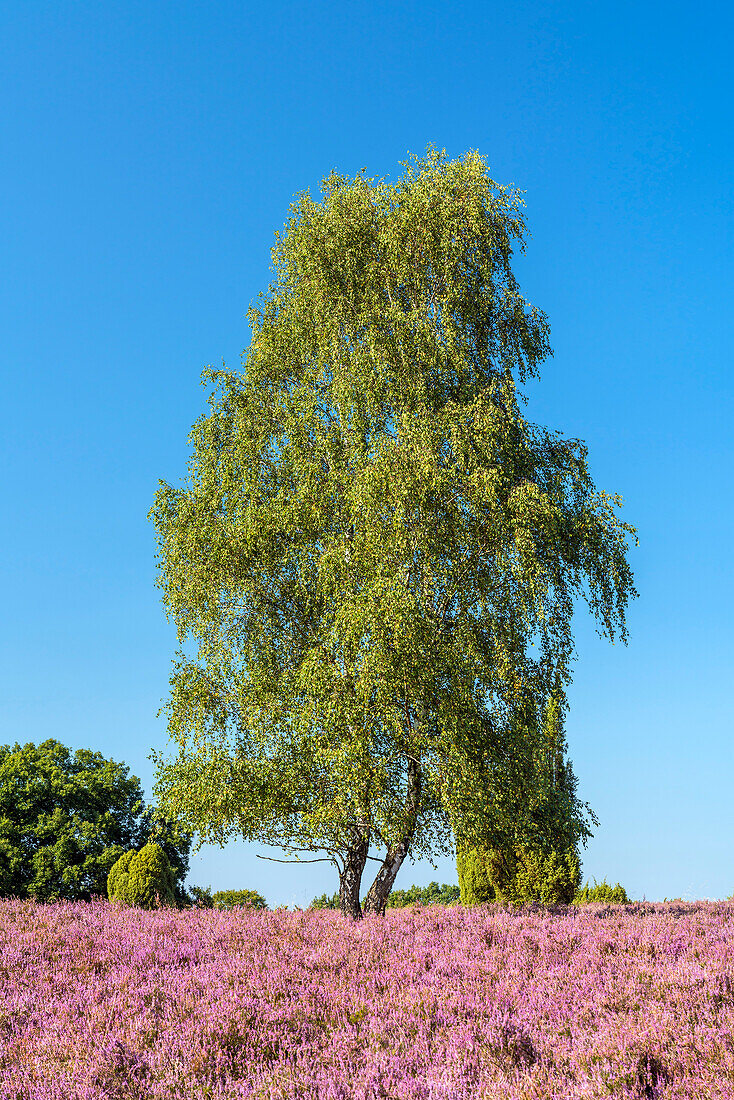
(100, 1002)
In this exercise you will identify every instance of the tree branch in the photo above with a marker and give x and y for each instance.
(325, 859)
(452, 592)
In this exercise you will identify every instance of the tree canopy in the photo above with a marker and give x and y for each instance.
(237, 899)
(66, 817)
(373, 563)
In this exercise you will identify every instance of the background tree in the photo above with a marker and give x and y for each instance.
(374, 560)
(325, 901)
(200, 897)
(239, 899)
(433, 894)
(65, 818)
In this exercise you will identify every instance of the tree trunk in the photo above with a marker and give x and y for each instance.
(379, 891)
(350, 879)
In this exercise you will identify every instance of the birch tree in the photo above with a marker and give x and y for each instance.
(373, 561)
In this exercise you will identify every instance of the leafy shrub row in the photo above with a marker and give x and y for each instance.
(433, 894)
(233, 899)
(147, 880)
(602, 892)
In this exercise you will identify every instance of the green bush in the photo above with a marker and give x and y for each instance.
(238, 899)
(200, 897)
(519, 875)
(549, 878)
(118, 876)
(475, 887)
(155, 828)
(144, 879)
(324, 902)
(602, 892)
(433, 894)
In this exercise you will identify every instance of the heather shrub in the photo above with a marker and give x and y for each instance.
(144, 879)
(601, 892)
(237, 899)
(102, 1001)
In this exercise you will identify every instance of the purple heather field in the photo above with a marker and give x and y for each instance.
(106, 1003)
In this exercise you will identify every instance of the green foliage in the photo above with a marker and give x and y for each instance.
(601, 892)
(325, 902)
(236, 899)
(144, 879)
(433, 894)
(65, 818)
(520, 875)
(200, 897)
(475, 887)
(156, 828)
(531, 875)
(542, 866)
(117, 879)
(375, 556)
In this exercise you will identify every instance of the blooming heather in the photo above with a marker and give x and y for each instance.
(99, 1002)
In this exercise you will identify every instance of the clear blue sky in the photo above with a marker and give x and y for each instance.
(149, 153)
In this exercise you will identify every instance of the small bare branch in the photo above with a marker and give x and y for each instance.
(309, 848)
(274, 860)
